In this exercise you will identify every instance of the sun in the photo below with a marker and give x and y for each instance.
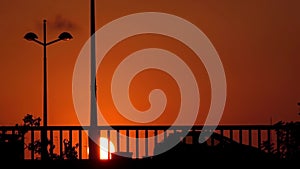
(104, 148)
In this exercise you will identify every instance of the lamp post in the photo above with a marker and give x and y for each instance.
(33, 37)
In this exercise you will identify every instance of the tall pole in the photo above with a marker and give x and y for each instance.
(33, 37)
(94, 135)
(45, 78)
(44, 140)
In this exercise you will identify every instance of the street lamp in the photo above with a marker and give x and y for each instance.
(33, 37)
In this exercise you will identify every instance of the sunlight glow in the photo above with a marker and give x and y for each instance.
(104, 147)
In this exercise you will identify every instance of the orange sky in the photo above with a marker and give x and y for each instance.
(257, 42)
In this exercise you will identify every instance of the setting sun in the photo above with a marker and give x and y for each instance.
(104, 149)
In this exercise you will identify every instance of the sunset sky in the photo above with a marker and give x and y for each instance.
(257, 41)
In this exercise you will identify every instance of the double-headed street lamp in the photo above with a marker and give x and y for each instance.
(33, 37)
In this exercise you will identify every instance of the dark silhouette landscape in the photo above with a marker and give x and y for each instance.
(254, 120)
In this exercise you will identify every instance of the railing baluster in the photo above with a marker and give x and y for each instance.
(32, 142)
(70, 137)
(222, 133)
(165, 134)
(250, 137)
(269, 140)
(127, 140)
(80, 143)
(118, 140)
(241, 136)
(156, 137)
(259, 138)
(146, 143)
(41, 139)
(52, 141)
(60, 142)
(108, 145)
(137, 143)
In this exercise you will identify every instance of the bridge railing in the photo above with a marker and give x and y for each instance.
(122, 139)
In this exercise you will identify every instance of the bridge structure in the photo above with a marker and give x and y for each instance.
(122, 139)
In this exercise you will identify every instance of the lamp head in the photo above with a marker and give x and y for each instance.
(65, 36)
(30, 36)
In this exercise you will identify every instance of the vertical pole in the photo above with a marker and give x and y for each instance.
(44, 140)
(45, 77)
(94, 151)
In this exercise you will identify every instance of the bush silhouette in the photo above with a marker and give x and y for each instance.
(12, 145)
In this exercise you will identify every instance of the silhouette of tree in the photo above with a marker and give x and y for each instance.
(70, 152)
(288, 140)
(30, 121)
(12, 144)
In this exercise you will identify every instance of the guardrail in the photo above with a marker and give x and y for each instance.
(252, 135)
